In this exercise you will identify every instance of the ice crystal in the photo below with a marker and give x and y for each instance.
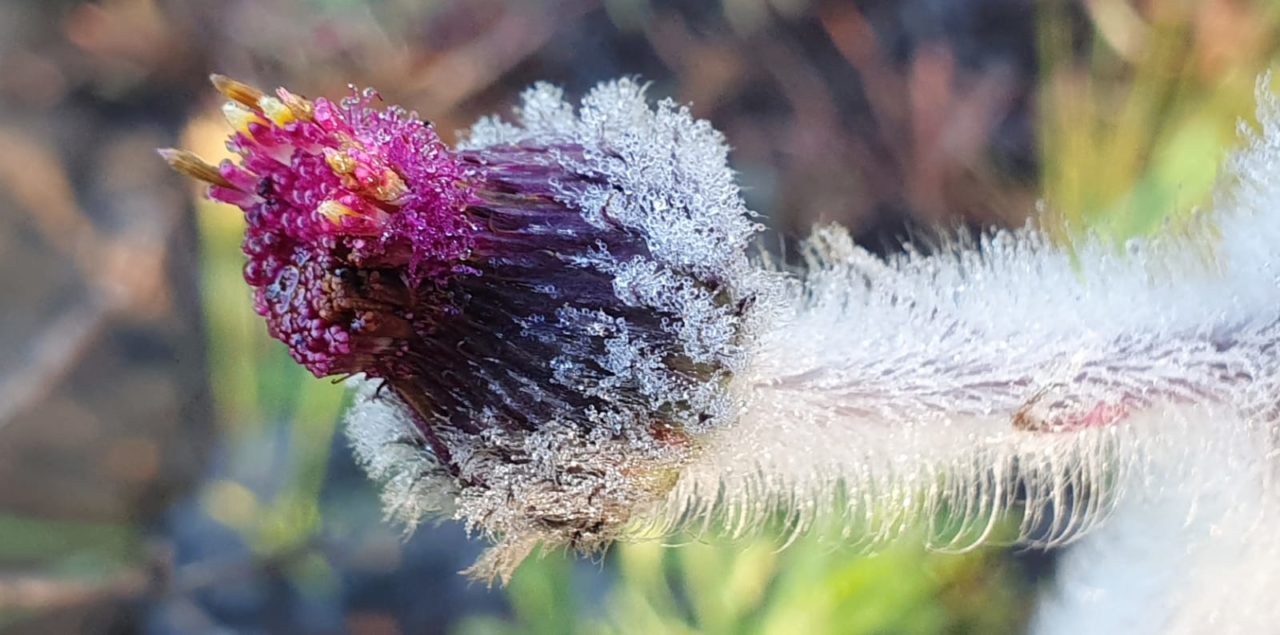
(609, 362)
(550, 312)
(1188, 548)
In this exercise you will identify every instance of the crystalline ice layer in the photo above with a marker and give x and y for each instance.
(1007, 373)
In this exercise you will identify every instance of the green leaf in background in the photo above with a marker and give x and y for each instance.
(1133, 130)
(756, 587)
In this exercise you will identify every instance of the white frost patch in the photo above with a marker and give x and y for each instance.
(386, 443)
(1003, 374)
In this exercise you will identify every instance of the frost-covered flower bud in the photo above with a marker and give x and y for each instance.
(560, 336)
(563, 337)
(547, 315)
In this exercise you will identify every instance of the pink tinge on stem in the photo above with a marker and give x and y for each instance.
(1101, 415)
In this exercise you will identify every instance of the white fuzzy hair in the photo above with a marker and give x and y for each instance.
(942, 389)
(1009, 374)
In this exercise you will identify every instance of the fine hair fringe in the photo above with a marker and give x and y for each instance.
(1002, 374)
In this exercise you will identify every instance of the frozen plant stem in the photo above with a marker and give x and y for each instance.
(560, 336)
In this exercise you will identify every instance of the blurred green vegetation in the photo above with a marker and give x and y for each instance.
(757, 587)
(1132, 131)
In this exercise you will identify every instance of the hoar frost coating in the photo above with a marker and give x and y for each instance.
(561, 338)
(1010, 374)
(643, 371)
(545, 319)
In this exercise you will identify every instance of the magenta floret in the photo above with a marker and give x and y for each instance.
(331, 196)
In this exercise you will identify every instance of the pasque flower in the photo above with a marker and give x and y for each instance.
(555, 309)
(560, 334)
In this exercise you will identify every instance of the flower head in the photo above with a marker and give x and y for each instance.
(350, 210)
(555, 307)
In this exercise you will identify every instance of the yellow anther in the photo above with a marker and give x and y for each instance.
(193, 166)
(339, 162)
(240, 117)
(333, 211)
(276, 111)
(391, 189)
(299, 106)
(239, 92)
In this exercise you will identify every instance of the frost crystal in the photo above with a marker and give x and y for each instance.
(1011, 375)
(564, 341)
(548, 315)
